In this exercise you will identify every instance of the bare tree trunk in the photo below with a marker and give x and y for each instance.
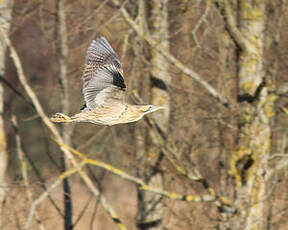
(248, 164)
(140, 129)
(5, 17)
(160, 79)
(65, 105)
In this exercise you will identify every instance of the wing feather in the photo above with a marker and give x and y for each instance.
(103, 72)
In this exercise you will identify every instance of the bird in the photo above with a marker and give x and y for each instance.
(104, 90)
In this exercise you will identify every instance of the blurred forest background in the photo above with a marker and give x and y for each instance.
(216, 158)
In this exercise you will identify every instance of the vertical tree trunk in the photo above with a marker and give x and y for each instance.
(140, 134)
(65, 105)
(160, 79)
(142, 78)
(160, 68)
(5, 17)
(248, 163)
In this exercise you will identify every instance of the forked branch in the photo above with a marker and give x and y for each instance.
(231, 25)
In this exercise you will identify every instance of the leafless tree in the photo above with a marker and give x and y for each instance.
(216, 158)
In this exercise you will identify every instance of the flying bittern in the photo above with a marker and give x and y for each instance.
(104, 90)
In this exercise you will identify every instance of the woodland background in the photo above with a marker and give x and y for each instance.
(216, 158)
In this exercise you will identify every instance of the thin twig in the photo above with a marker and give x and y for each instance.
(231, 25)
(199, 22)
(138, 181)
(36, 202)
(192, 172)
(174, 61)
(54, 131)
(84, 209)
(93, 216)
(24, 172)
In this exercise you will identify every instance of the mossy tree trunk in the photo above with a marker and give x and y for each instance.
(255, 104)
(159, 95)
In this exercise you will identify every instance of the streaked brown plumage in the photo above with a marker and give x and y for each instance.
(104, 90)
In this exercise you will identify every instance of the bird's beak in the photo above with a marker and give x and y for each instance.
(160, 107)
(156, 108)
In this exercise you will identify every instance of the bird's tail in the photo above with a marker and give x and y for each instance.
(60, 117)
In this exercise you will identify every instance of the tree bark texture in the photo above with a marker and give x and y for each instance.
(159, 95)
(62, 48)
(255, 103)
(5, 17)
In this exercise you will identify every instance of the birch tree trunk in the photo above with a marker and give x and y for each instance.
(5, 17)
(248, 164)
(160, 79)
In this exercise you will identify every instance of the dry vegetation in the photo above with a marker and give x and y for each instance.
(202, 134)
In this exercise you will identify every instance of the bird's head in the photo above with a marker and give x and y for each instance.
(145, 109)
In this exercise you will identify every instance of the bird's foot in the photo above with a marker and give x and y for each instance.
(60, 117)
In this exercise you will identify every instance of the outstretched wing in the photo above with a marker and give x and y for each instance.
(102, 78)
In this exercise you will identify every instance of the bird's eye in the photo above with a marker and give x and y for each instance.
(150, 107)
(146, 108)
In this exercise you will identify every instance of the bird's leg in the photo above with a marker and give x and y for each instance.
(60, 117)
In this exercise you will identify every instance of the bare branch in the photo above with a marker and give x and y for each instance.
(24, 172)
(174, 61)
(142, 184)
(53, 129)
(81, 214)
(200, 21)
(36, 202)
(231, 24)
(39, 108)
(283, 162)
(191, 173)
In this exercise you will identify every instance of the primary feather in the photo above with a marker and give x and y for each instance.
(104, 90)
(102, 78)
